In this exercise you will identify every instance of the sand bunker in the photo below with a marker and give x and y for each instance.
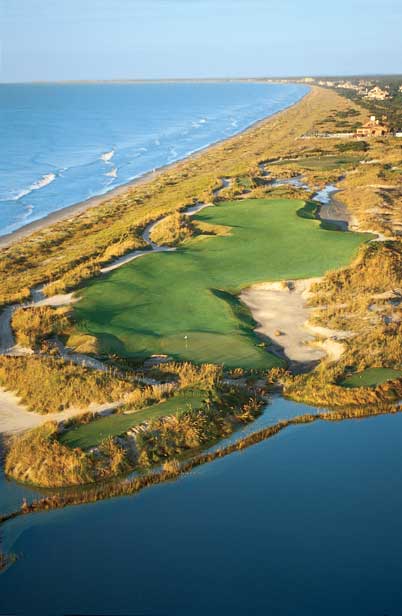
(15, 417)
(282, 315)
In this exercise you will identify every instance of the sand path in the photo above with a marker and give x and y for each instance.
(15, 417)
(146, 236)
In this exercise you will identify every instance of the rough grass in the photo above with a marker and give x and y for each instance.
(49, 385)
(90, 435)
(371, 377)
(150, 305)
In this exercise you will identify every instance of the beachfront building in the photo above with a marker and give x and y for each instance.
(374, 128)
(378, 94)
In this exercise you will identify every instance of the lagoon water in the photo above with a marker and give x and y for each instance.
(64, 143)
(305, 523)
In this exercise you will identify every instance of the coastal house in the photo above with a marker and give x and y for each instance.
(374, 128)
(378, 94)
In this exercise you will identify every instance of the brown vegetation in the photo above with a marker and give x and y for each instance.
(48, 385)
(33, 325)
(39, 458)
(170, 436)
(141, 398)
(204, 376)
(172, 230)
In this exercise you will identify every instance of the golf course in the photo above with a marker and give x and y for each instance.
(185, 303)
(91, 434)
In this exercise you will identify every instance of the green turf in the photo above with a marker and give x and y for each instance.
(371, 377)
(91, 434)
(151, 304)
(321, 163)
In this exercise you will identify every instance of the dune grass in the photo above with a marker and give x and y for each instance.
(151, 305)
(91, 434)
(371, 377)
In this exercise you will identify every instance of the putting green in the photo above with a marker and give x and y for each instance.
(321, 163)
(151, 304)
(371, 377)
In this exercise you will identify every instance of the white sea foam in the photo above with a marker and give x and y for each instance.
(107, 156)
(199, 123)
(29, 209)
(44, 181)
(112, 173)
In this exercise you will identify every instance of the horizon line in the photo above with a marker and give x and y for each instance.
(196, 79)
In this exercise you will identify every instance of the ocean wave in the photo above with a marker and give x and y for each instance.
(28, 211)
(199, 123)
(112, 173)
(107, 156)
(45, 180)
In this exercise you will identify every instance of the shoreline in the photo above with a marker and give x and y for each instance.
(76, 209)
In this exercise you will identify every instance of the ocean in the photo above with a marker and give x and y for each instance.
(64, 143)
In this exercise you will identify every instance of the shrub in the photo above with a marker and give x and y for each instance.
(204, 376)
(38, 457)
(173, 230)
(33, 325)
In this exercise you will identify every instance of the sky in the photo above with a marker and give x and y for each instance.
(152, 39)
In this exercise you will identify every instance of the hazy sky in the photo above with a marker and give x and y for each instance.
(109, 39)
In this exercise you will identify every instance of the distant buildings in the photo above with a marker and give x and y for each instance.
(365, 88)
(374, 128)
(377, 94)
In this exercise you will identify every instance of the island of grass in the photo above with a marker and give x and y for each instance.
(185, 303)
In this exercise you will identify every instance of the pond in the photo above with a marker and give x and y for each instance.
(305, 523)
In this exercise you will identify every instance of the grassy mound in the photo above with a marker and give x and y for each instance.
(184, 303)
